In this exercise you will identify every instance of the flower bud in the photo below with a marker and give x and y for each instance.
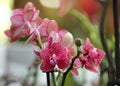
(78, 42)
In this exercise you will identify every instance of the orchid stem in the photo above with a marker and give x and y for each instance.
(116, 34)
(53, 78)
(59, 73)
(39, 42)
(71, 66)
(111, 70)
(48, 78)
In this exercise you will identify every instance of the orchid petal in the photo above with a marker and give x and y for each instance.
(67, 40)
(62, 33)
(52, 26)
(8, 33)
(45, 54)
(17, 20)
(37, 52)
(18, 11)
(54, 35)
(46, 67)
(43, 27)
(28, 6)
(28, 15)
(75, 72)
(36, 14)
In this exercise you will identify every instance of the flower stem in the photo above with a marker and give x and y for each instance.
(48, 78)
(111, 70)
(53, 78)
(68, 70)
(116, 33)
(39, 42)
(59, 73)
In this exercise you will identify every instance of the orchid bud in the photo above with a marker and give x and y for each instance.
(78, 42)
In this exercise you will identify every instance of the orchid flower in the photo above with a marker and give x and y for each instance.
(54, 55)
(63, 39)
(92, 56)
(19, 20)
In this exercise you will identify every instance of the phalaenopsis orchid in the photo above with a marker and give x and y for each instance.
(58, 50)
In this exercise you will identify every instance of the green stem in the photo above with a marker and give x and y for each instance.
(59, 73)
(53, 79)
(39, 42)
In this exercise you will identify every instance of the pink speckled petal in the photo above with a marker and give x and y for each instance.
(28, 15)
(18, 11)
(17, 20)
(8, 33)
(45, 54)
(52, 26)
(37, 52)
(29, 6)
(75, 72)
(63, 61)
(36, 14)
(43, 27)
(46, 67)
(88, 44)
(62, 33)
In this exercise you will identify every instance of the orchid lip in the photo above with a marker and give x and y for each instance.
(53, 59)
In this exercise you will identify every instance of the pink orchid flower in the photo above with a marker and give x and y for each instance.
(64, 41)
(92, 56)
(19, 20)
(54, 55)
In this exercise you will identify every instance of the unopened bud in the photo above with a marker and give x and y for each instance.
(78, 42)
